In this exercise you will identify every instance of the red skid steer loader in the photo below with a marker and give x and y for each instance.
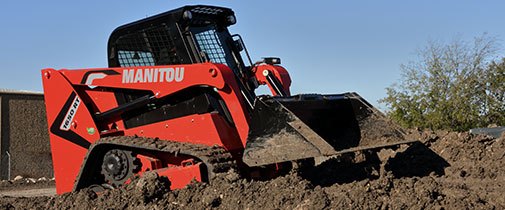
(178, 98)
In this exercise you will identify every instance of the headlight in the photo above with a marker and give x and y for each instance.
(231, 19)
(187, 15)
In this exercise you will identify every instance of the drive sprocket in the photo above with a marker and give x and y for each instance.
(118, 166)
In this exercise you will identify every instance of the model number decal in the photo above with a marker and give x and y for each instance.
(153, 75)
(69, 117)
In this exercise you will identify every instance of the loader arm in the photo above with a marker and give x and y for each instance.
(275, 77)
(216, 76)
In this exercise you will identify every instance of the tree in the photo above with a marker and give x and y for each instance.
(495, 95)
(454, 86)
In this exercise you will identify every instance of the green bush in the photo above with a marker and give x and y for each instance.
(455, 86)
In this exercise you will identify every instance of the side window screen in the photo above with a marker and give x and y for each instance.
(147, 47)
(134, 58)
(210, 44)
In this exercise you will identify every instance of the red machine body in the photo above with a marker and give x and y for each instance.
(76, 94)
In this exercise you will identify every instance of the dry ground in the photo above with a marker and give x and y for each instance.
(447, 170)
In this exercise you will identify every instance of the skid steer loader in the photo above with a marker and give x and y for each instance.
(178, 98)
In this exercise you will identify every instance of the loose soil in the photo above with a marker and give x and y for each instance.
(446, 170)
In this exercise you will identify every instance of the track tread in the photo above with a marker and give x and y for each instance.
(217, 159)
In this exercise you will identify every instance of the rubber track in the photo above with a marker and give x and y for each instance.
(215, 158)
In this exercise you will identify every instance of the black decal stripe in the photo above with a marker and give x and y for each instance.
(68, 135)
(107, 72)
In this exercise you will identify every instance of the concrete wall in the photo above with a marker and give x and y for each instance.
(24, 144)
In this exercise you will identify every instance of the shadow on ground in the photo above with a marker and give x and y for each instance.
(417, 160)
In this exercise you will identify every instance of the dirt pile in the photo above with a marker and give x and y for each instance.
(446, 170)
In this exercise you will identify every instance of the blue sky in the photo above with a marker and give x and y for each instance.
(327, 46)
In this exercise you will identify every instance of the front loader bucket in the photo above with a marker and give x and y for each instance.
(304, 126)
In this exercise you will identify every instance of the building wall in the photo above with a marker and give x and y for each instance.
(24, 144)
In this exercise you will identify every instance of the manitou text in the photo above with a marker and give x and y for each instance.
(150, 75)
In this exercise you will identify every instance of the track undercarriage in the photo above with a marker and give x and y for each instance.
(122, 157)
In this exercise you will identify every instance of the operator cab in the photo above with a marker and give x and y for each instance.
(188, 35)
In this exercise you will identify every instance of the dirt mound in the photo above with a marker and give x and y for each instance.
(446, 170)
